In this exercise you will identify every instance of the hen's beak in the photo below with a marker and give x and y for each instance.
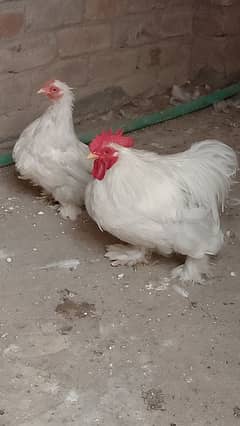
(92, 156)
(41, 91)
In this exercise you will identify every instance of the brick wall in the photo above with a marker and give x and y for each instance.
(91, 44)
(216, 41)
(98, 44)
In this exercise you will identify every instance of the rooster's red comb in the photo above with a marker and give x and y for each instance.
(105, 138)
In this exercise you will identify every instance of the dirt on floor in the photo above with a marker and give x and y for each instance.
(86, 344)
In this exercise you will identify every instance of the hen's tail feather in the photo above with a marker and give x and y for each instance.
(206, 173)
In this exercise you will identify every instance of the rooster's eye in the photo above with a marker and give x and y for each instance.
(54, 89)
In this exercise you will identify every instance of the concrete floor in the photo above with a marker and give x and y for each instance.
(89, 344)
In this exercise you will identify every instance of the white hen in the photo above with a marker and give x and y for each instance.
(163, 203)
(49, 153)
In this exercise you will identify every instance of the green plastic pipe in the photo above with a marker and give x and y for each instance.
(6, 159)
(157, 117)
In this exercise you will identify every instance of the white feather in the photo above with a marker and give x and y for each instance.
(49, 154)
(62, 264)
(165, 203)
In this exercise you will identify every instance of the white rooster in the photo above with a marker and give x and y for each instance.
(49, 153)
(163, 203)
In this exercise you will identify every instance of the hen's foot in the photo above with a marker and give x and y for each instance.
(120, 254)
(69, 211)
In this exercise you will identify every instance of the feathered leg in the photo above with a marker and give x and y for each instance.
(120, 254)
(192, 270)
(69, 208)
(69, 211)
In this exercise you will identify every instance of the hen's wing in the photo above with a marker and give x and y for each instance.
(25, 140)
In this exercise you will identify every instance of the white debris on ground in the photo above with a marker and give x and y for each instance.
(5, 255)
(62, 264)
(72, 397)
(182, 291)
(161, 285)
(234, 202)
(227, 105)
(181, 94)
(222, 106)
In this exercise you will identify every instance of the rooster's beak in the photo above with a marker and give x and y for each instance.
(41, 91)
(92, 156)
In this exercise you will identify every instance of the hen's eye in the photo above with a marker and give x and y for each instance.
(54, 89)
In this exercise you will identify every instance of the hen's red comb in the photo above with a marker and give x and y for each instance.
(105, 138)
(48, 83)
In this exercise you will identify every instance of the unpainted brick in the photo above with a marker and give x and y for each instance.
(100, 101)
(137, 30)
(10, 24)
(217, 20)
(112, 65)
(139, 82)
(77, 40)
(209, 53)
(175, 52)
(15, 92)
(104, 9)
(231, 20)
(14, 122)
(215, 46)
(232, 64)
(210, 3)
(72, 71)
(92, 88)
(180, 3)
(149, 56)
(135, 6)
(175, 62)
(170, 52)
(224, 3)
(176, 21)
(27, 53)
(52, 13)
(208, 20)
(172, 74)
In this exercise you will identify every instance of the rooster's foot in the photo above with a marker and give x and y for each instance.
(120, 254)
(194, 270)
